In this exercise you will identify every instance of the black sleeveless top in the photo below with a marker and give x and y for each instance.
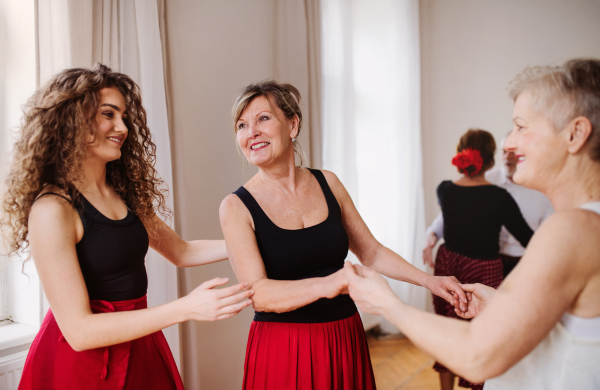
(112, 255)
(315, 251)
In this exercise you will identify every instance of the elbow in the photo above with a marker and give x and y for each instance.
(368, 257)
(481, 365)
(77, 343)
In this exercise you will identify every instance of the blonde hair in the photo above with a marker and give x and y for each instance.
(562, 93)
(285, 96)
(56, 126)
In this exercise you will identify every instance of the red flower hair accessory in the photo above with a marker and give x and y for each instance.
(469, 161)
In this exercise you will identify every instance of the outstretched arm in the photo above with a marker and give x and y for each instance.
(185, 253)
(551, 275)
(54, 229)
(270, 295)
(374, 255)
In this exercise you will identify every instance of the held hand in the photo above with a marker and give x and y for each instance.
(336, 284)
(205, 303)
(369, 290)
(479, 295)
(448, 287)
(430, 242)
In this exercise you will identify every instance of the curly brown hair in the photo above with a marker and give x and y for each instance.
(56, 126)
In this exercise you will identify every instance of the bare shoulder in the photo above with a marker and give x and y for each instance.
(335, 184)
(54, 216)
(51, 205)
(574, 224)
(233, 209)
(331, 177)
(572, 235)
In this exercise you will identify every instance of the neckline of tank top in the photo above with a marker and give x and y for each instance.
(581, 327)
(591, 206)
(101, 218)
(295, 230)
(480, 186)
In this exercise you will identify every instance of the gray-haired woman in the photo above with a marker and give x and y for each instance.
(541, 328)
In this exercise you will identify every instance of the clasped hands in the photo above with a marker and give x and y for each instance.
(372, 294)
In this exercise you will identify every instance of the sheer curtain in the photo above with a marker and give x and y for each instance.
(124, 35)
(371, 122)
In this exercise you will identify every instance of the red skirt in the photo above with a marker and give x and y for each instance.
(467, 270)
(321, 356)
(144, 363)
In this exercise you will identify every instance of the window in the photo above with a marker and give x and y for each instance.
(21, 298)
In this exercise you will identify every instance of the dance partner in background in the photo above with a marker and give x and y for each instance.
(474, 212)
(541, 328)
(288, 231)
(83, 195)
(534, 206)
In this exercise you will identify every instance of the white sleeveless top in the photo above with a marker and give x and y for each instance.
(568, 358)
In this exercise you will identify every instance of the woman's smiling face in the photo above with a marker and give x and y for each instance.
(538, 146)
(264, 134)
(111, 130)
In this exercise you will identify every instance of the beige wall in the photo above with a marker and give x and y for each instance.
(471, 49)
(213, 49)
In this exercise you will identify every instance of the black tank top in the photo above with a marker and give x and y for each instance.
(112, 254)
(315, 251)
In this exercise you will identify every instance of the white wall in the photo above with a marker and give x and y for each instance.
(471, 49)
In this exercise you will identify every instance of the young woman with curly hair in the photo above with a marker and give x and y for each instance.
(83, 196)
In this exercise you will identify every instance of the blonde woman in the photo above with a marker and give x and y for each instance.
(288, 231)
(541, 328)
(82, 195)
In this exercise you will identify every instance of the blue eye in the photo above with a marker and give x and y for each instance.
(263, 118)
(241, 126)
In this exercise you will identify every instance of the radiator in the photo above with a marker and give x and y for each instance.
(11, 368)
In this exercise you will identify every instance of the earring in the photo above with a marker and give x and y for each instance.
(293, 139)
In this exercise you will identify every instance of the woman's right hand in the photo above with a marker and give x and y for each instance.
(335, 284)
(205, 303)
(478, 296)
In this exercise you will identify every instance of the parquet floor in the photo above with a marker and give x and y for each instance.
(399, 365)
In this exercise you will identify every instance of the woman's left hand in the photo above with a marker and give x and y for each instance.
(448, 287)
(369, 290)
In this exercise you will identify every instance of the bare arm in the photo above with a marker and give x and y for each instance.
(54, 229)
(374, 255)
(547, 282)
(270, 295)
(185, 253)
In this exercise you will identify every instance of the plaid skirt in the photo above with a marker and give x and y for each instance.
(467, 270)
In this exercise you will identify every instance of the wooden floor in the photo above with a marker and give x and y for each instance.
(399, 365)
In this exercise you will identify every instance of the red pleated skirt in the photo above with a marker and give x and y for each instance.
(144, 363)
(322, 356)
(467, 270)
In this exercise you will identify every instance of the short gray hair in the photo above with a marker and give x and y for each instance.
(562, 93)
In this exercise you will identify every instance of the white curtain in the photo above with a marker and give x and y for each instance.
(125, 35)
(371, 122)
